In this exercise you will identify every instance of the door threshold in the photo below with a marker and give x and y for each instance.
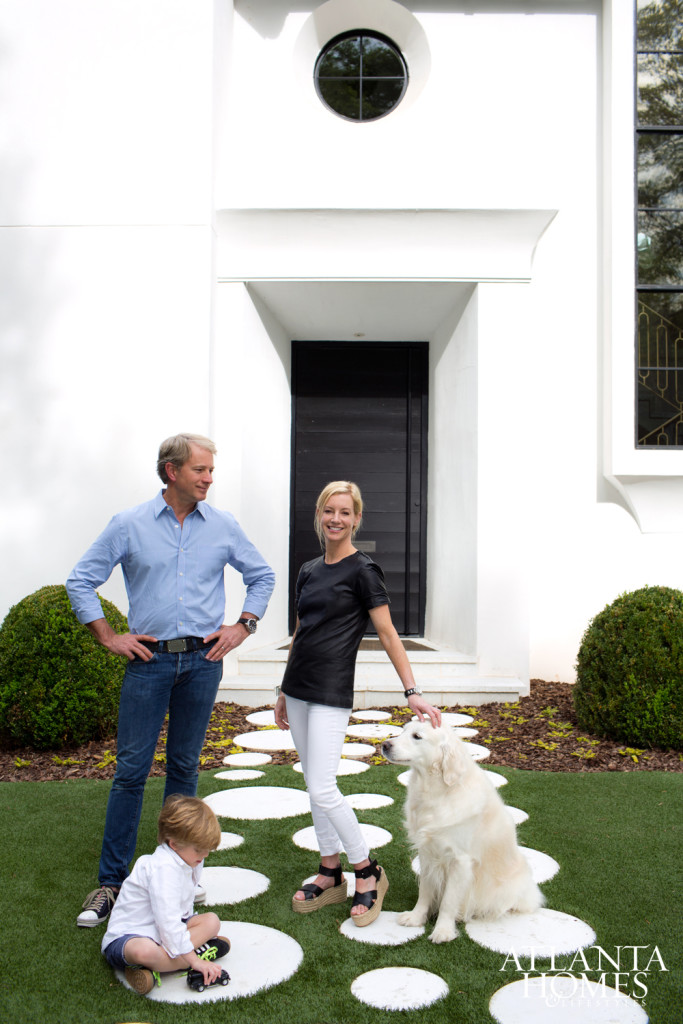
(371, 643)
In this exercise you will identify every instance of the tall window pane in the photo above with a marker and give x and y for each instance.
(659, 226)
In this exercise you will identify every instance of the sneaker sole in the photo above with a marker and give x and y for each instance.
(90, 922)
(140, 980)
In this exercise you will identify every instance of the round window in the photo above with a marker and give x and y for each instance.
(361, 75)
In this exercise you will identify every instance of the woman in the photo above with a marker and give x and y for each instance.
(335, 594)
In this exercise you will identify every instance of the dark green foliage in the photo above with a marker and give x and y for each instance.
(57, 684)
(630, 670)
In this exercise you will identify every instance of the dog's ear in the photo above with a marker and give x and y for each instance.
(451, 763)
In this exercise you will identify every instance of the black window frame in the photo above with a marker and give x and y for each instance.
(653, 439)
(361, 33)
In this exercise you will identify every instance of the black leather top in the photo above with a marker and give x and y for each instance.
(332, 606)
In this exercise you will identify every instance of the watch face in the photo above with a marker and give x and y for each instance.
(250, 624)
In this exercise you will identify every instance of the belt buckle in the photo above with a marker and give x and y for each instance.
(177, 646)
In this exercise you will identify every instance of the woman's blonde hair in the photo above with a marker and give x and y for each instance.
(338, 487)
(188, 821)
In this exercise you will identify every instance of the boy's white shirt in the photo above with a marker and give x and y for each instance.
(155, 901)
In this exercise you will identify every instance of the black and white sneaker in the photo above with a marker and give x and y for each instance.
(97, 907)
(214, 949)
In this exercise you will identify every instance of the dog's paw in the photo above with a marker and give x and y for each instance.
(444, 933)
(411, 920)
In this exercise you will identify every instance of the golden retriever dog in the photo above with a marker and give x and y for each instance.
(470, 864)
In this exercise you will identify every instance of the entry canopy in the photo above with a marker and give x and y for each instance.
(399, 245)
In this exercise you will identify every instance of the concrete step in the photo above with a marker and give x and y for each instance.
(253, 690)
(428, 664)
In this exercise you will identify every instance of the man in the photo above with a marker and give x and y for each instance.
(172, 551)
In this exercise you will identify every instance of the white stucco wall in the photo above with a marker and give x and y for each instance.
(136, 134)
(451, 613)
(250, 393)
(106, 250)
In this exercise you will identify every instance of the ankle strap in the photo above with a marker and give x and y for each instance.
(330, 872)
(371, 869)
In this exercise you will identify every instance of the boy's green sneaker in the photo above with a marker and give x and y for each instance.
(214, 949)
(141, 979)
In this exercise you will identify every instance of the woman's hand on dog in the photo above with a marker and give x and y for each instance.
(423, 708)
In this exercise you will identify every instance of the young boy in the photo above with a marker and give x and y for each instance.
(152, 927)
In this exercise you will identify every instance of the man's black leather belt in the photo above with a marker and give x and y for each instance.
(177, 646)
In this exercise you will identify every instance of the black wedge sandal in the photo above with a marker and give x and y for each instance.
(372, 900)
(315, 897)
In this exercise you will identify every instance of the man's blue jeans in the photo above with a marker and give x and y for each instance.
(185, 685)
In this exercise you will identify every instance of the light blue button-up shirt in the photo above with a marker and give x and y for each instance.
(173, 573)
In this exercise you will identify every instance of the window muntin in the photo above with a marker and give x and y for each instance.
(659, 223)
(361, 76)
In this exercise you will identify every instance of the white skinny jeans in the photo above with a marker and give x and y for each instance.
(318, 732)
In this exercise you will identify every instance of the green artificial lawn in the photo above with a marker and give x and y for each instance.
(615, 836)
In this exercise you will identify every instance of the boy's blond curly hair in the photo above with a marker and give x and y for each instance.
(188, 821)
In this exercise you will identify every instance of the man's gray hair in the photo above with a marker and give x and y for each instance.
(177, 450)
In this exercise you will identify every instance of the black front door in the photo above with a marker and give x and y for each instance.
(360, 413)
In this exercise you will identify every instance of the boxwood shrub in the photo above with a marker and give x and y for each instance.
(58, 686)
(630, 670)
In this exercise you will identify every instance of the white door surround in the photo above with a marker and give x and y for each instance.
(451, 278)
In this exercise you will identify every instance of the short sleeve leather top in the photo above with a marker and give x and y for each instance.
(332, 605)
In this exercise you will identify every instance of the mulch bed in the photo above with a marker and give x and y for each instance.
(539, 732)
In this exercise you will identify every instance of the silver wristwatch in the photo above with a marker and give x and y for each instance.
(411, 691)
(249, 624)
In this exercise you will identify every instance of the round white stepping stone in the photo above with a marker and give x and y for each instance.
(495, 778)
(256, 802)
(370, 715)
(476, 751)
(229, 840)
(399, 988)
(260, 958)
(368, 801)
(357, 750)
(374, 836)
(232, 885)
(247, 759)
(542, 933)
(542, 866)
(465, 733)
(450, 718)
(266, 739)
(261, 718)
(345, 767)
(517, 815)
(239, 775)
(404, 778)
(563, 1000)
(384, 931)
(373, 731)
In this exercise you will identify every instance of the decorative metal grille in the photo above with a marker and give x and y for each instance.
(660, 378)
